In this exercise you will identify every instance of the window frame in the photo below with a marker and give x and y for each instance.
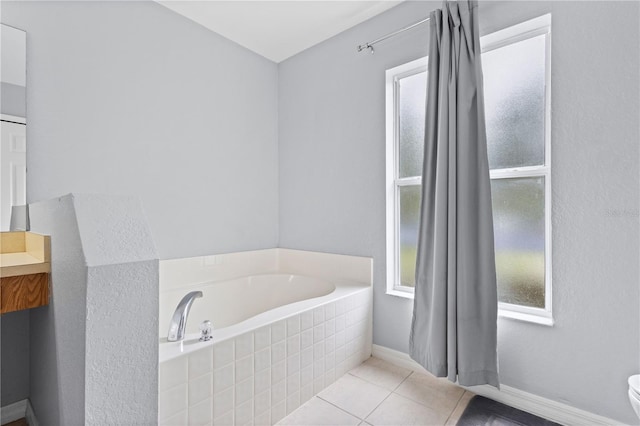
(513, 34)
(393, 77)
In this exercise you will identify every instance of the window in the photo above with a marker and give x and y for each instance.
(516, 68)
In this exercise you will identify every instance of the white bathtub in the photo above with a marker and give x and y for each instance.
(258, 293)
(279, 338)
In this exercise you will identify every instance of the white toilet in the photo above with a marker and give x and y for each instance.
(634, 393)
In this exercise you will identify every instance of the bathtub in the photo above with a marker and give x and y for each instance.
(259, 294)
(281, 335)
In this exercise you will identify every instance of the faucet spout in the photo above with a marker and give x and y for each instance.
(179, 320)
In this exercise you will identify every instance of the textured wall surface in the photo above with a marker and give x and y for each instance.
(57, 332)
(331, 154)
(131, 98)
(94, 349)
(122, 311)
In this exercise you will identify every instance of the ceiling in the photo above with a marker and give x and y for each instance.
(278, 29)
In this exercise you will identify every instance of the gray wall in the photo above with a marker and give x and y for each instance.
(131, 98)
(13, 100)
(58, 333)
(92, 358)
(332, 165)
(121, 357)
(14, 385)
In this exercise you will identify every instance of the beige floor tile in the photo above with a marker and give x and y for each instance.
(381, 373)
(354, 395)
(457, 412)
(318, 412)
(398, 410)
(437, 393)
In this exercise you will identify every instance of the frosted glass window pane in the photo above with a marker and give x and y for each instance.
(514, 88)
(413, 97)
(409, 213)
(518, 218)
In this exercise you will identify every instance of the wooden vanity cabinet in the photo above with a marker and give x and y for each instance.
(25, 268)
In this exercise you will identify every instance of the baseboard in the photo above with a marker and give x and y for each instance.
(534, 404)
(30, 415)
(12, 412)
(18, 410)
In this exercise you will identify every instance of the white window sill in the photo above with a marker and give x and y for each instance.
(502, 313)
(521, 316)
(400, 293)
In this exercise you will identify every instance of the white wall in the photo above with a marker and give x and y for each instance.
(331, 154)
(131, 98)
(13, 71)
(13, 61)
(57, 334)
(127, 97)
(94, 349)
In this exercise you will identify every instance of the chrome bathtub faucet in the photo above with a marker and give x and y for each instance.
(206, 329)
(179, 320)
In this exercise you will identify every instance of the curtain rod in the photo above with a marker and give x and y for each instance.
(370, 44)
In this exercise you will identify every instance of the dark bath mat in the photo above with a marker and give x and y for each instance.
(483, 411)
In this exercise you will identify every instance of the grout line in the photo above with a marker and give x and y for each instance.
(339, 408)
(373, 383)
(431, 408)
(403, 380)
(365, 380)
(455, 406)
(391, 392)
(371, 412)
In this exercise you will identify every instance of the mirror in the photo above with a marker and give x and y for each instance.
(13, 120)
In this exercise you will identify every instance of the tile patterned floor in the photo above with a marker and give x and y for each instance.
(377, 393)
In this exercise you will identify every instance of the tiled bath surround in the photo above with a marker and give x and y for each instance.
(262, 375)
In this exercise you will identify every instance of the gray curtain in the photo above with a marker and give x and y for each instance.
(453, 331)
